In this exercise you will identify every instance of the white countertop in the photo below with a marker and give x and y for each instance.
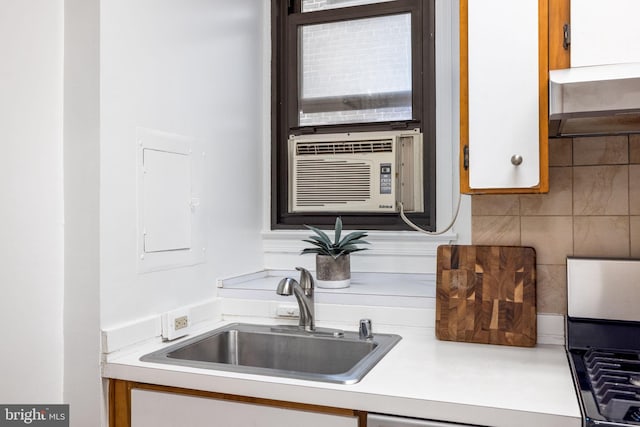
(420, 377)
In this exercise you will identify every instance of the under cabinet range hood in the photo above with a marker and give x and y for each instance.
(594, 100)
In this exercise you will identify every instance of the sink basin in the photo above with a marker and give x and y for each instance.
(284, 351)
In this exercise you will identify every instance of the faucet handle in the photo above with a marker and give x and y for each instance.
(306, 280)
(366, 330)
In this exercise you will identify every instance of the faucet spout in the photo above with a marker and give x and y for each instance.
(303, 291)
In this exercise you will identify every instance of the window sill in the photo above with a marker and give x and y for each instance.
(403, 243)
(367, 289)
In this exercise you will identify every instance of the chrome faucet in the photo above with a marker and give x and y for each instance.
(303, 292)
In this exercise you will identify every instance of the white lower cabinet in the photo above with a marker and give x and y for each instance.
(375, 420)
(159, 409)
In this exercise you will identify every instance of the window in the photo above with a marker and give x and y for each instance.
(347, 66)
(365, 76)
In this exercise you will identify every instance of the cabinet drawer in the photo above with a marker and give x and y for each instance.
(375, 420)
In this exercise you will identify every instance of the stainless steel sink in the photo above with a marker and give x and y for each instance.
(284, 351)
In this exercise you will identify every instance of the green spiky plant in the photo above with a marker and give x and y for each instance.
(322, 244)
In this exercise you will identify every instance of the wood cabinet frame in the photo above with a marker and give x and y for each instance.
(543, 72)
(120, 402)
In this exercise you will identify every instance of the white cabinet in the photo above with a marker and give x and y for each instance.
(503, 95)
(161, 409)
(375, 420)
(604, 32)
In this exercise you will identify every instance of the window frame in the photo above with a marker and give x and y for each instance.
(286, 18)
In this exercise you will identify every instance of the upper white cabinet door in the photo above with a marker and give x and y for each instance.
(604, 32)
(503, 94)
(157, 409)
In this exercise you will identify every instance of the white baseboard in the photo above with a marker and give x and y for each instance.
(551, 327)
(122, 336)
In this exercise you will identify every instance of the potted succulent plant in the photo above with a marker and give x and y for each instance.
(333, 260)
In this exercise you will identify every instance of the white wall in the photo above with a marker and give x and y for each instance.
(82, 382)
(31, 211)
(192, 68)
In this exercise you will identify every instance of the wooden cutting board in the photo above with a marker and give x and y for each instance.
(486, 294)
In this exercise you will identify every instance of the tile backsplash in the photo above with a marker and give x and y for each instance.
(592, 209)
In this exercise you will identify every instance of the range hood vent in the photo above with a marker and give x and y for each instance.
(595, 100)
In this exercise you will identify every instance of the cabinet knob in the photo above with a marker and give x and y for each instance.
(516, 160)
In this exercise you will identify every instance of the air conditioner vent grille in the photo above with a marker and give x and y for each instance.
(344, 147)
(323, 182)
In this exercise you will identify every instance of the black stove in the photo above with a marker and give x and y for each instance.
(604, 352)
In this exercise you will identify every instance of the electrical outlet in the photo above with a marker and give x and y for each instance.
(175, 324)
(180, 322)
(287, 311)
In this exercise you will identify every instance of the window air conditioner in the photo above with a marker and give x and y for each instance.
(356, 172)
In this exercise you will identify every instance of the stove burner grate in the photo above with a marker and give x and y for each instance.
(615, 381)
(633, 414)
